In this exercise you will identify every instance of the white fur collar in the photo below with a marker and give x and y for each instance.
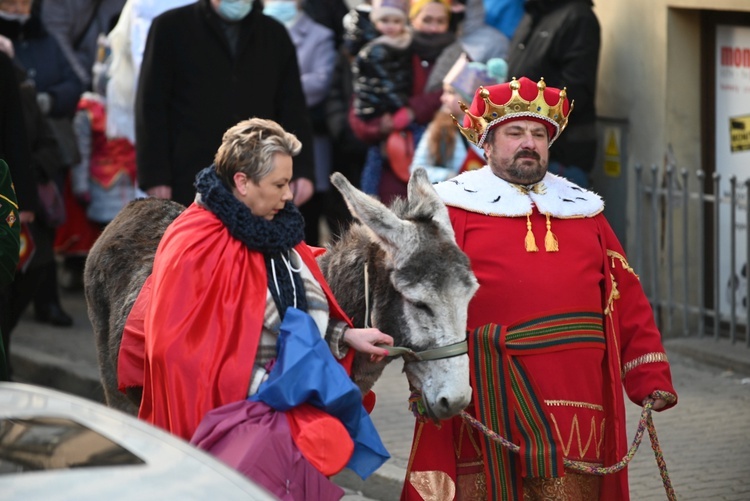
(482, 191)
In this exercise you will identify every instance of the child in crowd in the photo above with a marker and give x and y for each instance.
(382, 79)
(382, 68)
(104, 180)
(442, 150)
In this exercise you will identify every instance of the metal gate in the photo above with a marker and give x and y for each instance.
(674, 216)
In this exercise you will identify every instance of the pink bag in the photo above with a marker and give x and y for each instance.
(256, 440)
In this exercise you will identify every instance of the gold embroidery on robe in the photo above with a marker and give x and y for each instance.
(648, 358)
(433, 485)
(624, 262)
(572, 487)
(471, 487)
(595, 436)
(466, 430)
(571, 403)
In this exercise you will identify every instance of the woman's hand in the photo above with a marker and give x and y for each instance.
(364, 340)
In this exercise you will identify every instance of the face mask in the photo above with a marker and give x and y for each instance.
(20, 18)
(284, 11)
(234, 10)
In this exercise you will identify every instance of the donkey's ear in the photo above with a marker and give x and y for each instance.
(372, 213)
(422, 193)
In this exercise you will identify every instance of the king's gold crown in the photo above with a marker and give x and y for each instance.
(516, 106)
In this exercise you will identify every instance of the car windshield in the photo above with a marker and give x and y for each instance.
(48, 443)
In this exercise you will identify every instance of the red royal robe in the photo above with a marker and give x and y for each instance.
(588, 272)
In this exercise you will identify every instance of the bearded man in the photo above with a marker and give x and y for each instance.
(559, 330)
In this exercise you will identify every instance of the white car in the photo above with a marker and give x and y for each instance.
(55, 446)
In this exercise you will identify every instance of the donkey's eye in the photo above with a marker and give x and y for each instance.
(422, 306)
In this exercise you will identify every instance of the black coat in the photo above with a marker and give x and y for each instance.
(45, 64)
(31, 152)
(14, 143)
(559, 40)
(382, 79)
(329, 13)
(358, 29)
(192, 89)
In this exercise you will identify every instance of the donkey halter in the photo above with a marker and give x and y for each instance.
(448, 351)
(409, 355)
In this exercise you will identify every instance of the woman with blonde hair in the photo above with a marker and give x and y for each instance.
(227, 274)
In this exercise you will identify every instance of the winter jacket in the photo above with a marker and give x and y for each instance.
(329, 13)
(15, 148)
(316, 55)
(66, 20)
(192, 89)
(382, 79)
(426, 48)
(358, 28)
(45, 64)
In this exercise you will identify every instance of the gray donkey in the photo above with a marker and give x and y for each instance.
(397, 269)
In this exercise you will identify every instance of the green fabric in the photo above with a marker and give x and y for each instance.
(10, 241)
(3, 368)
(10, 226)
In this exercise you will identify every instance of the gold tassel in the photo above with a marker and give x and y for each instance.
(550, 240)
(530, 242)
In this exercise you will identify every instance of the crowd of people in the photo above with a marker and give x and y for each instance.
(113, 108)
(111, 100)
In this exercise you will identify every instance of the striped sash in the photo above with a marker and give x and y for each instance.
(506, 400)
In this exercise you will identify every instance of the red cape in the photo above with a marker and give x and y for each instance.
(200, 318)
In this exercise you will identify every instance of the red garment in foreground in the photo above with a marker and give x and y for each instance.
(202, 322)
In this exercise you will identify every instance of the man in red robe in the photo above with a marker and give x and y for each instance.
(559, 329)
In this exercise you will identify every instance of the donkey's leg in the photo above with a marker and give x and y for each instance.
(100, 314)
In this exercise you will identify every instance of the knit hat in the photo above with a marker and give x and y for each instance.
(467, 76)
(418, 5)
(382, 8)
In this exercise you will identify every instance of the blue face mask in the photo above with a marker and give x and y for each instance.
(234, 10)
(284, 11)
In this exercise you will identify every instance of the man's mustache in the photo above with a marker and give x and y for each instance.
(527, 154)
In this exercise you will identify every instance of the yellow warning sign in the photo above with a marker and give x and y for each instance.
(612, 160)
(612, 149)
(739, 131)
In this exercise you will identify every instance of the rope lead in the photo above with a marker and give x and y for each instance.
(645, 422)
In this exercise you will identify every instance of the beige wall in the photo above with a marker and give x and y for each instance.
(631, 73)
(650, 75)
